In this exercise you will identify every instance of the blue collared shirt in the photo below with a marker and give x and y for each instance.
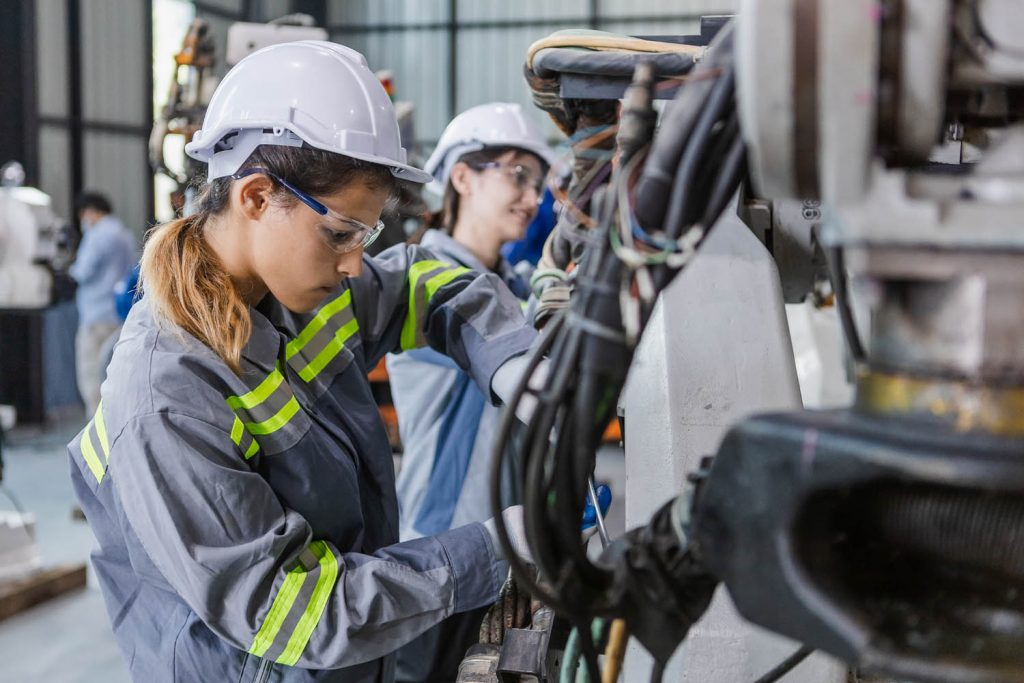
(105, 257)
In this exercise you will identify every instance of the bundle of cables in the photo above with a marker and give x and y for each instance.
(664, 196)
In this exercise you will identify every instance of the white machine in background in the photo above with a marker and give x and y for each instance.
(27, 241)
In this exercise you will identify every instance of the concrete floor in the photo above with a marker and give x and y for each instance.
(68, 639)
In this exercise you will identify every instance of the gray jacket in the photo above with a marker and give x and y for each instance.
(248, 526)
(446, 424)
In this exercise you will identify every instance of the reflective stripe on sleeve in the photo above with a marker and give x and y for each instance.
(95, 446)
(298, 606)
(265, 409)
(240, 434)
(425, 278)
(323, 338)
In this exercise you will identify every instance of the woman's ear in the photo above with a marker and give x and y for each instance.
(252, 195)
(460, 178)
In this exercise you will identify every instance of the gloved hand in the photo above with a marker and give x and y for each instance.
(506, 379)
(513, 518)
(659, 585)
(512, 610)
(604, 499)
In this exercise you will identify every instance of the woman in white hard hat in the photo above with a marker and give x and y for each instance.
(237, 475)
(490, 163)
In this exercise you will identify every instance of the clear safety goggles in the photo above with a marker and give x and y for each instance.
(343, 235)
(523, 177)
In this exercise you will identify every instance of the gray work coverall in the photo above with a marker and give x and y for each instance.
(248, 526)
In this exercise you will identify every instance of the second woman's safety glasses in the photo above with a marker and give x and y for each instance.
(343, 235)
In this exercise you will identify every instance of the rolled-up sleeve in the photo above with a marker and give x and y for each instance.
(406, 299)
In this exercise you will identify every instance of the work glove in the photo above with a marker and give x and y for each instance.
(552, 288)
(506, 379)
(604, 499)
(514, 524)
(659, 585)
(513, 609)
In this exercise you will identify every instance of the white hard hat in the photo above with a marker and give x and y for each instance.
(498, 124)
(308, 91)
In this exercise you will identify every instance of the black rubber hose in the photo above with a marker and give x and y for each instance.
(652, 190)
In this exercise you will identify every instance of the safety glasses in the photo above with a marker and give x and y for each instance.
(343, 235)
(523, 177)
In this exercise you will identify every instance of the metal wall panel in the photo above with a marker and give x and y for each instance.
(675, 8)
(232, 6)
(475, 10)
(499, 77)
(115, 61)
(112, 165)
(419, 62)
(362, 12)
(54, 172)
(268, 10)
(661, 27)
(51, 57)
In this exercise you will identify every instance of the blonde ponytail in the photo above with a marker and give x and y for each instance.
(186, 285)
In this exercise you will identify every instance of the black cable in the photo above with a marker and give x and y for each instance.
(835, 260)
(727, 182)
(589, 653)
(721, 98)
(657, 671)
(508, 416)
(786, 665)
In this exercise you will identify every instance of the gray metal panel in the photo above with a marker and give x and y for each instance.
(361, 12)
(51, 57)
(115, 58)
(419, 61)
(619, 8)
(499, 77)
(116, 165)
(474, 10)
(54, 171)
(227, 5)
(664, 27)
(268, 10)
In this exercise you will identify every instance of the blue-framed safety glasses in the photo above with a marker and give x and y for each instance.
(343, 234)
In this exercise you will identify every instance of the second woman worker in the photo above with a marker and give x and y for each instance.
(490, 163)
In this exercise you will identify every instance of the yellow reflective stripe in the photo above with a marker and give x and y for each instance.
(278, 611)
(101, 431)
(91, 459)
(237, 430)
(271, 425)
(441, 279)
(317, 323)
(317, 603)
(259, 394)
(329, 351)
(411, 326)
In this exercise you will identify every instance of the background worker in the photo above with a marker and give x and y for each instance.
(237, 474)
(490, 163)
(105, 257)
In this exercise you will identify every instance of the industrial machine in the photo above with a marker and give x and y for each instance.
(29, 233)
(872, 145)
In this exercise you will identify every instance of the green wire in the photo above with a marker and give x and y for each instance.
(571, 658)
(571, 669)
